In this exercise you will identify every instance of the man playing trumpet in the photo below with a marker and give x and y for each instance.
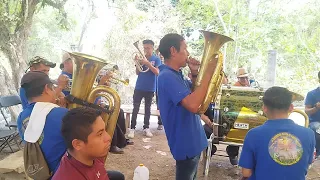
(145, 86)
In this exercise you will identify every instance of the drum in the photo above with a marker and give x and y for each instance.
(239, 109)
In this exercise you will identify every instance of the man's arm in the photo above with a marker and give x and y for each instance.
(206, 120)
(62, 83)
(137, 70)
(193, 101)
(311, 106)
(155, 70)
(311, 110)
(247, 159)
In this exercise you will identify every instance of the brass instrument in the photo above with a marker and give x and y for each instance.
(213, 42)
(85, 71)
(116, 80)
(236, 111)
(137, 62)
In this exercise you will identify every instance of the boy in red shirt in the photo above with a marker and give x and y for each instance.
(88, 143)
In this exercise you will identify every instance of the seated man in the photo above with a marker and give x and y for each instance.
(88, 143)
(279, 149)
(242, 76)
(41, 64)
(39, 88)
(119, 140)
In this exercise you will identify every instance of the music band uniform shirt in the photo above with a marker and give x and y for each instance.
(71, 168)
(312, 98)
(147, 81)
(23, 98)
(184, 131)
(278, 150)
(51, 141)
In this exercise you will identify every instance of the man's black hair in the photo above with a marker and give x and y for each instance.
(37, 91)
(277, 98)
(168, 41)
(77, 124)
(148, 41)
(34, 83)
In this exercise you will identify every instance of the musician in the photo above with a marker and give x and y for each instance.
(179, 106)
(41, 64)
(88, 143)
(39, 89)
(119, 140)
(312, 108)
(242, 76)
(67, 69)
(145, 87)
(279, 149)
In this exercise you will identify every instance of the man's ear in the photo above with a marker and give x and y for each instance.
(46, 89)
(265, 109)
(173, 51)
(291, 108)
(77, 144)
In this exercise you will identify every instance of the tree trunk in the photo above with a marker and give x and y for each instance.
(7, 88)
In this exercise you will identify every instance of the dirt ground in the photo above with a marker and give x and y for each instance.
(154, 153)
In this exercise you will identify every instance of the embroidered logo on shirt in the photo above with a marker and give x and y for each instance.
(285, 149)
(98, 174)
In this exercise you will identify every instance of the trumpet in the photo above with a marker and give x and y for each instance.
(116, 81)
(137, 62)
(113, 79)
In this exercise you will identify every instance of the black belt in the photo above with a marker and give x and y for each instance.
(76, 100)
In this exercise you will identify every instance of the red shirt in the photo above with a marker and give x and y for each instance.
(70, 168)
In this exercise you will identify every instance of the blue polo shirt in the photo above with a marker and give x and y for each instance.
(52, 145)
(278, 150)
(23, 98)
(66, 91)
(185, 134)
(147, 81)
(312, 98)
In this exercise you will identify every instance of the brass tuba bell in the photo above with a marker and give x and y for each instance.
(85, 71)
(212, 43)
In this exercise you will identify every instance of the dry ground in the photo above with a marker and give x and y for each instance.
(154, 153)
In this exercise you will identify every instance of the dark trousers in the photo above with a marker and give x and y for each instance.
(315, 126)
(187, 169)
(115, 175)
(159, 118)
(119, 138)
(137, 97)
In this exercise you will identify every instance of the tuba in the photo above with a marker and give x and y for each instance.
(85, 71)
(213, 42)
(137, 62)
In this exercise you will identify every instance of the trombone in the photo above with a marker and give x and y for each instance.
(137, 62)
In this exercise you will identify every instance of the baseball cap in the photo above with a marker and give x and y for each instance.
(39, 59)
(65, 57)
(34, 79)
(42, 60)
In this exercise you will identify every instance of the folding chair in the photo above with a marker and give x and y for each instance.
(6, 136)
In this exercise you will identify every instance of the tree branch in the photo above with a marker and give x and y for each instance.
(220, 17)
(57, 5)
